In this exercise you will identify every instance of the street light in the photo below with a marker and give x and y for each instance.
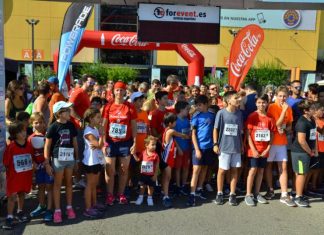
(33, 22)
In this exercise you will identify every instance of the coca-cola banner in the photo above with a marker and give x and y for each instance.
(244, 48)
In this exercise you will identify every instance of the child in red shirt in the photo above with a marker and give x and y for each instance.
(17, 160)
(149, 170)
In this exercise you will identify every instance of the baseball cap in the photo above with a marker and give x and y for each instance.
(53, 79)
(136, 95)
(61, 105)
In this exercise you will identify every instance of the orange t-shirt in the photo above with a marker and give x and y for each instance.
(320, 138)
(56, 97)
(81, 102)
(142, 130)
(274, 111)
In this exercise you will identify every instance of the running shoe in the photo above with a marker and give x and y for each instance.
(40, 210)
(209, 188)
(219, 199)
(183, 190)
(8, 225)
(48, 216)
(232, 200)
(70, 213)
(201, 194)
(300, 202)
(91, 213)
(122, 199)
(287, 200)
(269, 195)
(110, 199)
(21, 217)
(249, 200)
(139, 200)
(191, 200)
(100, 207)
(261, 199)
(57, 218)
(150, 201)
(167, 203)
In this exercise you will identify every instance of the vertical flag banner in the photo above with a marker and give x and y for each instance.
(75, 21)
(245, 46)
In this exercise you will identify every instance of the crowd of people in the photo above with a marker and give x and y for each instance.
(172, 141)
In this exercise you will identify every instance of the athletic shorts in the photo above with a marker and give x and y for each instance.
(119, 149)
(146, 180)
(208, 157)
(42, 177)
(229, 160)
(278, 153)
(300, 162)
(260, 162)
(183, 161)
(61, 165)
(95, 169)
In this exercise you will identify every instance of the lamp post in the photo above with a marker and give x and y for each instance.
(33, 22)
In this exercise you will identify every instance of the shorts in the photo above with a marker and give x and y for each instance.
(146, 180)
(61, 165)
(119, 149)
(162, 164)
(183, 161)
(229, 160)
(42, 177)
(278, 153)
(208, 158)
(300, 162)
(260, 162)
(95, 169)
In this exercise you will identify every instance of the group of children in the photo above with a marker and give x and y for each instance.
(170, 141)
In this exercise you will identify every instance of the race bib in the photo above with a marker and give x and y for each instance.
(231, 129)
(147, 167)
(320, 137)
(141, 128)
(262, 135)
(312, 134)
(117, 131)
(66, 154)
(23, 162)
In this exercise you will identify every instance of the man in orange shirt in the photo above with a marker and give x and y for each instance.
(56, 95)
(283, 118)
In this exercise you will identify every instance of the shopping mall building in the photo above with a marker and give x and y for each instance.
(293, 38)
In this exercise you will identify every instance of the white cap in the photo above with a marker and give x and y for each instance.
(61, 105)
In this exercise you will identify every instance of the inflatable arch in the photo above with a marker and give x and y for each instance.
(128, 41)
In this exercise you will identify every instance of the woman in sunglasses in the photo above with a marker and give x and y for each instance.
(15, 101)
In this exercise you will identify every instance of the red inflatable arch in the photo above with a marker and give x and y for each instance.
(128, 41)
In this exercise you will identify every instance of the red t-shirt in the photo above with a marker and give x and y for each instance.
(260, 128)
(37, 141)
(149, 163)
(81, 102)
(156, 120)
(320, 137)
(119, 118)
(19, 167)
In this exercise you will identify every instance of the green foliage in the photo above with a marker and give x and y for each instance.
(103, 72)
(209, 79)
(267, 73)
(41, 72)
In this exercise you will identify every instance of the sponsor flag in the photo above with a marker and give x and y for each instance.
(244, 48)
(75, 21)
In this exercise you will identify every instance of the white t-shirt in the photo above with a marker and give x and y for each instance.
(91, 156)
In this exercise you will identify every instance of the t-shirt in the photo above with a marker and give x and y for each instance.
(81, 102)
(320, 137)
(62, 135)
(92, 156)
(274, 111)
(230, 127)
(203, 123)
(56, 97)
(309, 128)
(156, 120)
(19, 167)
(149, 163)
(250, 106)
(119, 118)
(293, 103)
(260, 128)
(142, 130)
(183, 126)
(37, 141)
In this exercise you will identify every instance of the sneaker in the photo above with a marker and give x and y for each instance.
(167, 202)
(232, 200)
(176, 192)
(21, 217)
(40, 210)
(150, 201)
(91, 213)
(122, 199)
(139, 201)
(209, 188)
(100, 207)
(48, 216)
(287, 200)
(269, 195)
(191, 200)
(300, 202)
(183, 190)
(219, 199)
(70, 213)
(110, 199)
(57, 218)
(261, 199)
(249, 200)
(201, 194)
(8, 225)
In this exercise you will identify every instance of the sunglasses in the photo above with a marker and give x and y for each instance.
(212, 89)
(297, 87)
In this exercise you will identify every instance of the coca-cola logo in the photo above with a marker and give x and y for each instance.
(119, 40)
(190, 52)
(247, 46)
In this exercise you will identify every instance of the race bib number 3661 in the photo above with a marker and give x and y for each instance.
(117, 131)
(23, 162)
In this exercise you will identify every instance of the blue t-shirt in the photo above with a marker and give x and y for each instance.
(204, 123)
(183, 126)
(293, 103)
(250, 106)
